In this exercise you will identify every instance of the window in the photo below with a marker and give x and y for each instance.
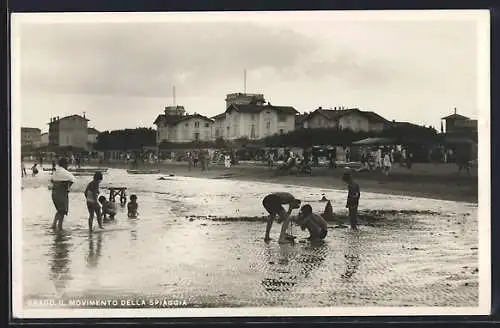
(207, 125)
(281, 131)
(252, 117)
(197, 125)
(268, 124)
(282, 117)
(252, 131)
(196, 136)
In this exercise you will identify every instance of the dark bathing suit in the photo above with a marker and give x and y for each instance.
(272, 203)
(60, 196)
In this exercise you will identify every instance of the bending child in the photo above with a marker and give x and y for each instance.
(273, 204)
(314, 223)
(108, 208)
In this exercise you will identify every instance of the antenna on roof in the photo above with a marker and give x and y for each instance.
(455, 109)
(83, 114)
(173, 95)
(245, 81)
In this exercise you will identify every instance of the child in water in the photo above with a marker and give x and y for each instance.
(132, 207)
(34, 170)
(108, 208)
(91, 194)
(314, 223)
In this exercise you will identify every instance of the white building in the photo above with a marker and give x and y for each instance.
(69, 131)
(176, 126)
(44, 139)
(91, 138)
(345, 119)
(254, 121)
(30, 137)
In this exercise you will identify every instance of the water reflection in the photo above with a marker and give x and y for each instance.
(95, 246)
(60, 261)
(351, 254)
(293, 258)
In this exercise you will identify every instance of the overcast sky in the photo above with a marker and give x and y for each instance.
(122, 73)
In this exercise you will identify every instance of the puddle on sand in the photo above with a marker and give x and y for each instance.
(206, 247)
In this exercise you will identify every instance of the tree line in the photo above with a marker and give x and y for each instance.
(142, 137)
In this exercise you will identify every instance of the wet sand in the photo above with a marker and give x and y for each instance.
(438, 181)
(201, 241)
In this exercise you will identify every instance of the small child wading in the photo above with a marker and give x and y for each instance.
(132, 207)
(91, 194)
(352, 199)
(108, 208)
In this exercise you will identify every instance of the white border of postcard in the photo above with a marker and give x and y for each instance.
(482, 18)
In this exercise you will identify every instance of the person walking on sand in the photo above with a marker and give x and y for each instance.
(352, 199)
(273, 203)
(91, 195)
(387, 163)
(23, 169)
(190, 160)
(61, 182)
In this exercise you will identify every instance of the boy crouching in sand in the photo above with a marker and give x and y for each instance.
(314, 223)
(273, 203)
(132, 207)
(108, 208)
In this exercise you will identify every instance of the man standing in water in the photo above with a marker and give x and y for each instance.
(352, 199)
(273, 203)
(91, 194)
(61, 182)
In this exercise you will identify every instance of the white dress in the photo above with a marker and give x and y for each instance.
(227, 161)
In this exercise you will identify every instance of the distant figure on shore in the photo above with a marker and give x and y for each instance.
(195, 159)
(347, 155)
(314, 223)
(61, 182)
(189, 156)
(23, 169)
(387, 163)
(352, 199)
(227, 161)
(108, 208)
(91, 195)
(34, 170)
(53, 165)
(273, 203)
(132, 207)
(270, 160)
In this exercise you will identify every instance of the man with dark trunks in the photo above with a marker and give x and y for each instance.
(61, 182)
(273, 203)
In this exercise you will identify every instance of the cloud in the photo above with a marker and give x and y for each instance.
(146, 59)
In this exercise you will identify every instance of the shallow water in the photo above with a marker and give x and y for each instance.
(200, 240)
